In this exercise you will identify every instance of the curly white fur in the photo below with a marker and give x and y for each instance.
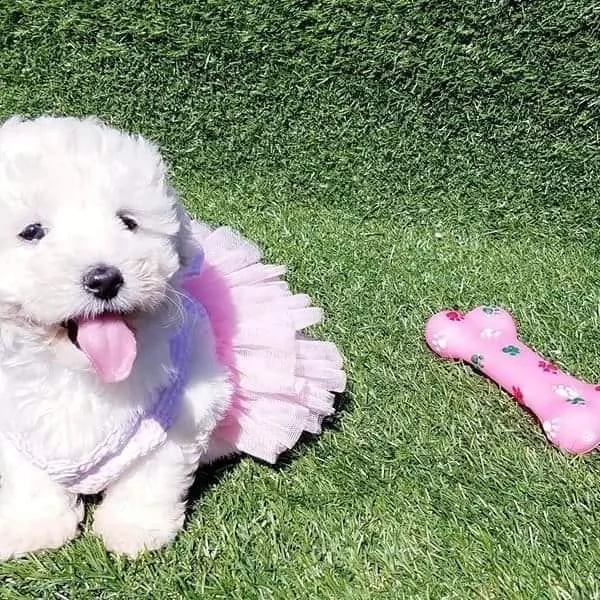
(75, 177)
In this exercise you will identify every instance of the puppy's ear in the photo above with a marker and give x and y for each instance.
(187, 246)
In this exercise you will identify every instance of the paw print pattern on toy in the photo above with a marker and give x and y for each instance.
(486, 337)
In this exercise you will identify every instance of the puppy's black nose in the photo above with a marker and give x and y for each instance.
(103, 281)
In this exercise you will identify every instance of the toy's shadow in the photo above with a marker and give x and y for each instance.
(209, 476)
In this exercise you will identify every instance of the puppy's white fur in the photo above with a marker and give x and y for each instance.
(75, 177)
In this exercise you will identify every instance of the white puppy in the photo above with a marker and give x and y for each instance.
(92, 242)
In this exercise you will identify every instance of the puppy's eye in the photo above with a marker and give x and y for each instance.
(33, 232)
(129, 223)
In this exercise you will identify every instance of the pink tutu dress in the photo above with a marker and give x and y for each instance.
(283, 381)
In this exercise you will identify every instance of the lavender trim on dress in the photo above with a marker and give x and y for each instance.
(149, 432)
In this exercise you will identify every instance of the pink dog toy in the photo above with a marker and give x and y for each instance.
(486, 337)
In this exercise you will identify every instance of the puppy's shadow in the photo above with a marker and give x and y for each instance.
(209, 476)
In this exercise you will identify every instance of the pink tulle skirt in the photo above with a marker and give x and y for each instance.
(283, 381)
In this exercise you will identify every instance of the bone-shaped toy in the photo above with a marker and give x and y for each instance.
(486, 337)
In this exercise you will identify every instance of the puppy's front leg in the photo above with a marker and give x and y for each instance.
(145, 508)
(35, 512)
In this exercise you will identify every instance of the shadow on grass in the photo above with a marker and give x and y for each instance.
(209, 476)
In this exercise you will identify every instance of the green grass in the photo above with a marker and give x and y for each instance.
(400, 157)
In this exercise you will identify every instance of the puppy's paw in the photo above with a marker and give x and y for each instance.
(25, 532)
(134, 529)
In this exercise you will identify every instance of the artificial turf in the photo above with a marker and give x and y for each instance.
(400, 157)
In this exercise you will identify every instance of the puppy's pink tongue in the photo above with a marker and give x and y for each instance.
(109, 344)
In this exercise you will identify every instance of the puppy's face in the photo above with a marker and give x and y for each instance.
(88, 225)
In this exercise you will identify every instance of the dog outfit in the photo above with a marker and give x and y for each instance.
(282, 382)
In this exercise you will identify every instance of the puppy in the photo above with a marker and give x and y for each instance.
(90, 232)
(119, 371)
